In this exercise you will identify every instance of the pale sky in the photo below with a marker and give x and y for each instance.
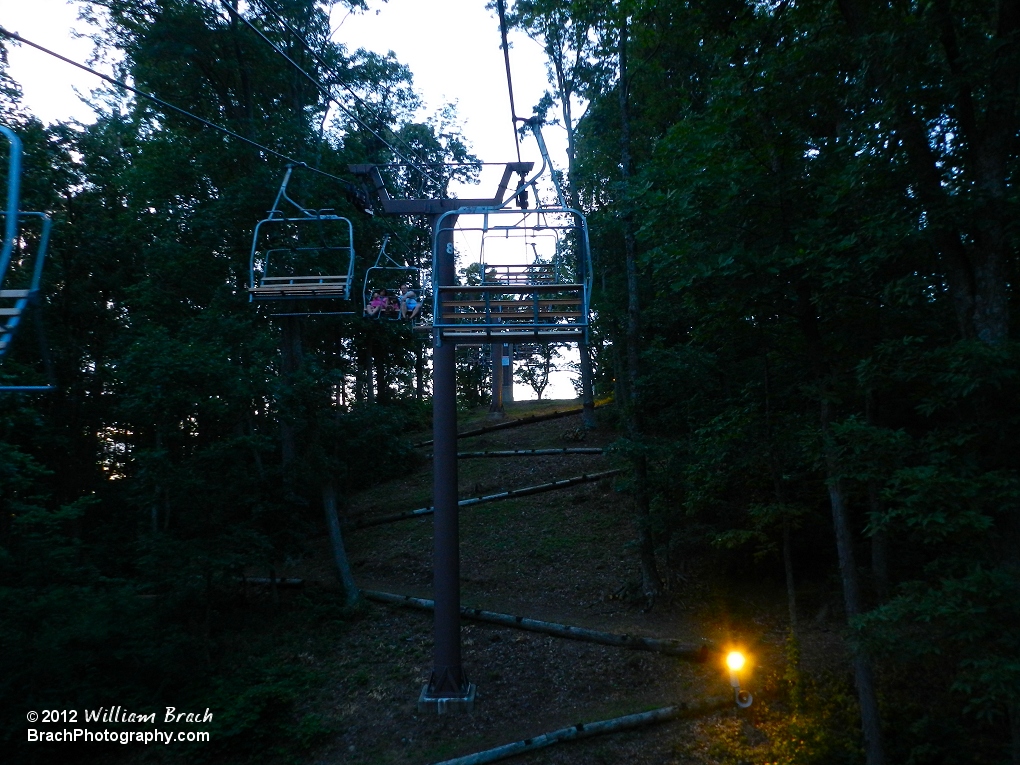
(451, 46)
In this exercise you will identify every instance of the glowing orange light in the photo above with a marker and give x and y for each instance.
(735, 660)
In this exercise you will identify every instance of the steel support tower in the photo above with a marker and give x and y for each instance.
(448, 686)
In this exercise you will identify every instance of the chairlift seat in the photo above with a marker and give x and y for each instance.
(511, 308)
(453, 315)
(546, 312)
(521, 300)
(290, 287)
(516, 287)
(515, 334)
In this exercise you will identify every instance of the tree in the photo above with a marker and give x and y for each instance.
(535, 368)
(786, 238)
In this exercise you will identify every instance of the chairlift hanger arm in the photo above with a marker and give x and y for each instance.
(535, 123)
(355, 194)
(384, 258)
(536, 128)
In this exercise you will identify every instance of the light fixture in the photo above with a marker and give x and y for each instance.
(735, 661)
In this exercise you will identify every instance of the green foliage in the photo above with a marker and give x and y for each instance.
(190, 436)
(805, 233)
(259, 715)
(819, 730)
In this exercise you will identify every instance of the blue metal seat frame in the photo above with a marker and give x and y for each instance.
(264, 284)
(15, 300)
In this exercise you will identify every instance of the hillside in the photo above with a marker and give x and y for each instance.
(562, 556)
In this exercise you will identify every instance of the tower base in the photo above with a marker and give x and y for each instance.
(443, 704)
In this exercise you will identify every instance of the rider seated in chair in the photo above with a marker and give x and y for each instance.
(377, 304)
(410, 306)
(392, 308)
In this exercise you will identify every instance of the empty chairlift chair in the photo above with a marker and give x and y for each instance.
(533, 279)
(301, 254)
(21, 260)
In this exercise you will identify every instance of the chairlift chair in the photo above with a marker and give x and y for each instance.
(389, 274)
(20, 268)
(523, 296)
(301, 255)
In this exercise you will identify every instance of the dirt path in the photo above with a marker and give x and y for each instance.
(563, 556)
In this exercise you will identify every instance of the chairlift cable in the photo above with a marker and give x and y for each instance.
(501, 5)
(447, 164)
(318, 58)
(325, 90)
(183, 112)
(322, 62)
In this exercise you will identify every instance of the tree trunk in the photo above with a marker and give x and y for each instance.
(381, 376)
(651, 583)
(343, 566)
(791, 590)
(419, 372)
(154, 510)
(292, 358)
(362, 386)
(563, 85)
(777, 487)
(365, 362)
(587, 385)
(1014, 730)
(971, 240)
(879, 539)
(870, 721)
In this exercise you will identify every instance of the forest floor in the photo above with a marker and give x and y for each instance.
(565, 556)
